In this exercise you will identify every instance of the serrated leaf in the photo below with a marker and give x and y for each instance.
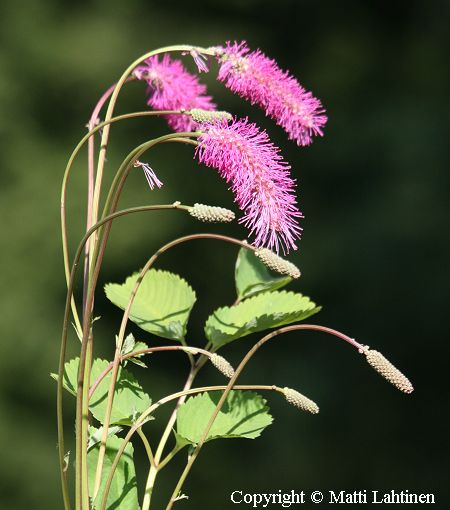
(244, 415)
(129, 398)
(252, 276)
(264, 311)
(162, 304)
(123, 492)
(96, 434)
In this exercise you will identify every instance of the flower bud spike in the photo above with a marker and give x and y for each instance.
(298, 400)
(277, 263)
(386, 369)
(206, 116)
(211, 214)
(222, 365)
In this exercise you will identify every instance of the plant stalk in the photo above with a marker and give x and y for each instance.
(142, 419)
(231, 384)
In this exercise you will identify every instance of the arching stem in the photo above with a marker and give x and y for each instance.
(143, 417)
(71, 281)
(121, 336)
(238, 371)
(64, 186)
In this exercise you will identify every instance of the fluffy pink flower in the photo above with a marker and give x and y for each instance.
(258, 79)
(259, 178)
(171, 87)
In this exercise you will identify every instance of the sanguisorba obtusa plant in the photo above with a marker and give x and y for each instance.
(112, 407)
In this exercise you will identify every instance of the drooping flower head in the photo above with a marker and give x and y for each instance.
(260, 80)
(172, 87)
(258, 177)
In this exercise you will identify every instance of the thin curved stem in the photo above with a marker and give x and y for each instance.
(118, 184)
(154, 470)
(148, 448)
(82, 388)
(239, 369)
(64, 185)
(143, 417)
(121, 336)
(71, 281)
(168, 458)
(93, 121)
(112, 104)
(149, 350)
(94, 202)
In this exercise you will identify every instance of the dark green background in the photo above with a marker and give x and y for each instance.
(373, 253)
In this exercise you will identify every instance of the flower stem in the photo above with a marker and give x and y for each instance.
(162, 443)
(93, 204)
(81, 431)
(110, 111)
(117, 186)
(232, 382)
(64, 186)
(63, 347)
(93, 121)
(142, 418)
(149, 350)
(121, 336)
(147, 446)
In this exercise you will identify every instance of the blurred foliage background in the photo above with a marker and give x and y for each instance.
(374, 250)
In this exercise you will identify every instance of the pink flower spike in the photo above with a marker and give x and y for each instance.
(260, 80)
(258, 177)
(172, 87)
(149, 173)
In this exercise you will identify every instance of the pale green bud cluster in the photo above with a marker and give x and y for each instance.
(298, 400)
(211, 214)
(222, 365)
(277, 263)
(201, 116)
(386, 369)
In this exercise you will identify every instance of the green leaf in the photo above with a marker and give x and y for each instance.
(95, 434)
(162, 304)
(253, 277)
(135, 359)
(123, 493)
(244, 414)
(129, 346)
(264, 311)
(129, 397)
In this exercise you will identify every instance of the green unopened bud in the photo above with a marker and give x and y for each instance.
(298, 400)
(222, 365)
(277, 263)
(211, 214)
(209, 116)
(386, 369)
